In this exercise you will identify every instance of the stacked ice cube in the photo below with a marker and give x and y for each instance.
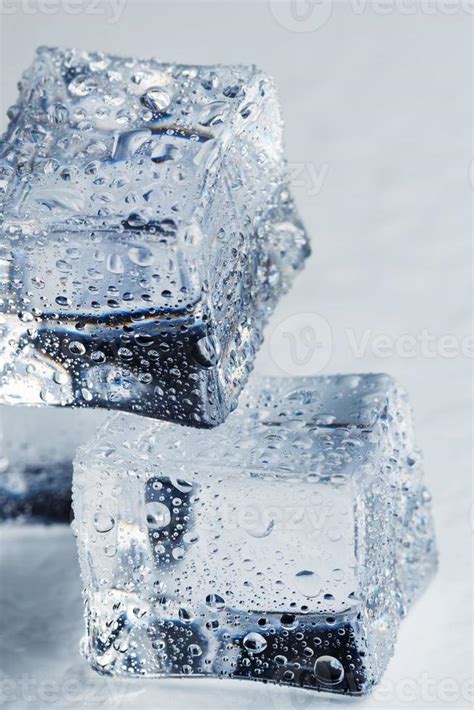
(147, 233)
(284, 545)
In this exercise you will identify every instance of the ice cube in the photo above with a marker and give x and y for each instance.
(282, 546)
(146, 234)
(37, 447)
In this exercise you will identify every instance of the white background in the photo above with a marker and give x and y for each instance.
(377, 100)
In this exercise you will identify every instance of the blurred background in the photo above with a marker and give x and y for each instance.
(377, 102)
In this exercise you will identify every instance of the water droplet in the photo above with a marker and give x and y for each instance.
(76, 347)
(57, 113)
(328, 670)
(128, 143)
(143, 339)
(260, 529)
(155, 99)
(214, 113)
(308, 583)
(254, 643)
(63, 301)
(82, 85)
(185, 615)
(140, 256)
(207, 351)
(103, 523)
(182, 485)
(288, 621)
(162, 153)
(139, 612)
(157, 515)
(215, 602)
(115, 264)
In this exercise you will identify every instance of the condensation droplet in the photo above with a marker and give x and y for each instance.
(115, 264)
(308, 583)
(207, 351)
(103, 522)
(157, 515)
(215, 602)
(254, 642)
(328, 670)
(156, 99)
(140, 256)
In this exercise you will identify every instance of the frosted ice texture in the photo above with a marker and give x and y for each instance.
(146, 232)
(37, 447)
(284, 545)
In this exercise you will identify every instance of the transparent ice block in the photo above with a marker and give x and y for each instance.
(283, 546)
(37, 447)
(146, 232)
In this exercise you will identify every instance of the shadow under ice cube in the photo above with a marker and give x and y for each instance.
(283, 546)
(146, 234)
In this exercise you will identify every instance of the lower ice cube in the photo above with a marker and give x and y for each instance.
(37, 446)
(283, 546)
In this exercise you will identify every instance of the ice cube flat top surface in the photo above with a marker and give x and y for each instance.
(285, 545)
(102, 133)
(285, 426)
(147, 233)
